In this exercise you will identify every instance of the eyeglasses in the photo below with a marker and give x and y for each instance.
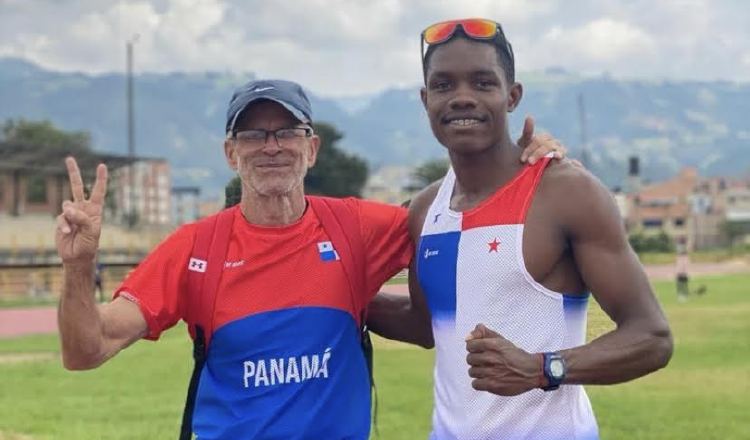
(474, 28)
(259, 136)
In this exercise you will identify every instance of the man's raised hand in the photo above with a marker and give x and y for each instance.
(80, 224)
(536, 146)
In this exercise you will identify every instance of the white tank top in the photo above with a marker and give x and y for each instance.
(470, 266)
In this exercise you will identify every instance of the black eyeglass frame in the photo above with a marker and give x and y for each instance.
(308, 133)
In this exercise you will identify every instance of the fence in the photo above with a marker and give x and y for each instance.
(38, 281)
(43, 280)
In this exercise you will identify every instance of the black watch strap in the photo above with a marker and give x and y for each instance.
(554, 370)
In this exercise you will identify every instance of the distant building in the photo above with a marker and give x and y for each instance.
(144, 188)
(708, 207)
(185, 204)
(737, 203)
(388, 185)
(689, 208)
(24, 192)
(738, 210)
(664, 206)
(34, 181)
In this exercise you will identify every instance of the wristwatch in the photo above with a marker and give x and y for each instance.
(554, 370)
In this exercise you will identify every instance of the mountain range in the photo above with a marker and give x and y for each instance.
(180, 117)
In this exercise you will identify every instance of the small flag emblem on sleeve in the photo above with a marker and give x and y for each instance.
(327, 252)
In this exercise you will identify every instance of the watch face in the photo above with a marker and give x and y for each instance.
(556, 368)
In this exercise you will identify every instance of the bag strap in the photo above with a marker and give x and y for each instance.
(204, 274)
(199, 356)
(341, 223)
(204, 271)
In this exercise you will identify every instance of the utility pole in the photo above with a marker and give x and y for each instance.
(585, 160)
(131, 130)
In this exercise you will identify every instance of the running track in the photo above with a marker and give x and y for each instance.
(43, 320)
(28, 321)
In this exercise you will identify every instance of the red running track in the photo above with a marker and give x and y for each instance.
(27, 321)
(43, 320)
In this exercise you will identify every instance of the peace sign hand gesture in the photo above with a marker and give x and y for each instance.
(80, 224)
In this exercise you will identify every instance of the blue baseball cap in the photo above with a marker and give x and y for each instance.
(287, 93)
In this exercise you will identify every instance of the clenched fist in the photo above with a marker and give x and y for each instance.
(498, 366)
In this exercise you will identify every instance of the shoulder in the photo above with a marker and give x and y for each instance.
(371, 208)
(565, 176)
(170, 254)
(186, 234)
(572, 184)
(177, 244)
(376, 217)
(579, 199)
(189, 230)
(419, 206)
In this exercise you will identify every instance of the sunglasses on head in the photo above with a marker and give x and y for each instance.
(474, 28)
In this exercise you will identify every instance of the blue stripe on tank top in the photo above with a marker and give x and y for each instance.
(573, 302)
(436, 270)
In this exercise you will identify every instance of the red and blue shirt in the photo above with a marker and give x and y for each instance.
(284, 360)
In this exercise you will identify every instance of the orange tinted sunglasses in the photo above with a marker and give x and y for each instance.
(475, 28)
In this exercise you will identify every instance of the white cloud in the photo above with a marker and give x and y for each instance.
(606, 39)
(601, 45)
(341, 47)
(507, 12)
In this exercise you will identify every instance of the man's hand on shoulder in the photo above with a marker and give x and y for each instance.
(537, 146)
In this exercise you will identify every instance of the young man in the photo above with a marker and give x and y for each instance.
(284, 357)
(506, 256)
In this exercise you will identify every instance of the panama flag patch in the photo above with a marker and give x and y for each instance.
(327, 252)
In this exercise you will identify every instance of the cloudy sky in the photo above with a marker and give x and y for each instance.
(352, 47)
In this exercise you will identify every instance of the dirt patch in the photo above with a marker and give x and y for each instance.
(17, 358)
(667, 271)
(14, 436)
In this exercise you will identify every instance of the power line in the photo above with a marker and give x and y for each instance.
(585, 159)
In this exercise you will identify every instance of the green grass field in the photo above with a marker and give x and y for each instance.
(703, 394)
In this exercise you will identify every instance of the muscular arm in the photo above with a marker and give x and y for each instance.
(641, 342)
(90, 334)
(400, 317)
